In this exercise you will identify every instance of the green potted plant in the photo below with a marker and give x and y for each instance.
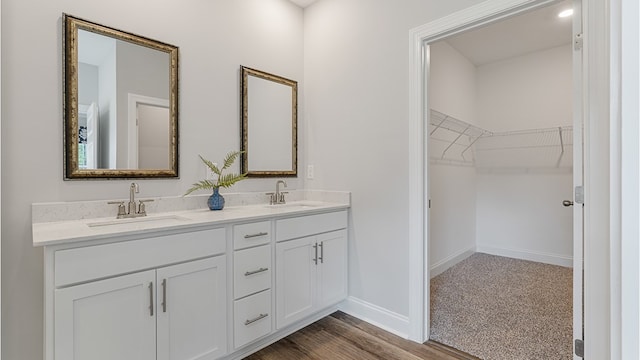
(216, 201)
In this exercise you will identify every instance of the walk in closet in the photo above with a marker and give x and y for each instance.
(500, 153)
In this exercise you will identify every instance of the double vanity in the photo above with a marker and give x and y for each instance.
(166, 278)
(192, 283)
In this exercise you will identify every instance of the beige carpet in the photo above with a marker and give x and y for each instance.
(499, 308)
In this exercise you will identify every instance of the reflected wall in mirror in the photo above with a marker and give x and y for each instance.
(269, 124)
(120, 103)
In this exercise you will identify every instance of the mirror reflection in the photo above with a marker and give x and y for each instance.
(269, 124)
(120, 103)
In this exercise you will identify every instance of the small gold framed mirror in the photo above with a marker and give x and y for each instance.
(269, 124)
(120, 103)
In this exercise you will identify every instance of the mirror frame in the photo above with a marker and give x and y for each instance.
(244, 79)
(71, 25)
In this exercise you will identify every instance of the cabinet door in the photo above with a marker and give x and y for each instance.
(107, 319)
(295, 280)
(192, 316)
(332, 268)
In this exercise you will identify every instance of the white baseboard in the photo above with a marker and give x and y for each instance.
(387, 320)
(442, 265)
(553, 259)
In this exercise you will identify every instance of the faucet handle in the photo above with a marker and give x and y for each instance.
(272, 198)
(142, 210)
(121, 209)
(281, 200)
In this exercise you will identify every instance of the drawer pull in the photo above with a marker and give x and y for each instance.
(260, 317)
(249, 273)
(255, 235)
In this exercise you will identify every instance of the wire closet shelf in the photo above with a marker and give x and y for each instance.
(456, 142)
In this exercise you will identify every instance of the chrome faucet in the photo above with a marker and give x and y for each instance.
(133, 190)
(278, 197)
(132, 210)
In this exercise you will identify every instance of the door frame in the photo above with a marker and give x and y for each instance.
(595, 85)
(133, 100)
(626, 14)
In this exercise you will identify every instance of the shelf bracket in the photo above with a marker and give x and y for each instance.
(440, 124)
(454, 141)
(561, 147)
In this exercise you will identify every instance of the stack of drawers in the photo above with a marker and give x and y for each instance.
(252, 266)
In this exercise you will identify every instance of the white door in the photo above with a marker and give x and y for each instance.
(332, 266)
(295, 280)
(191, 304)
(107, 319)
(578, 211)
(149, 138)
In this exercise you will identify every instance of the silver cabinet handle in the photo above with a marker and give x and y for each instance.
(164, 295)
(249, 273)
(259, 317)
(151, 299)
(315, 259)
(322, 252)
(255, 235)
(567, 203)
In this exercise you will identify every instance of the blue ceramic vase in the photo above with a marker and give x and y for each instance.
(216, 201)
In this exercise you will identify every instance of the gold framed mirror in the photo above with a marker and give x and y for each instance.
(120, 103)
(269, 124)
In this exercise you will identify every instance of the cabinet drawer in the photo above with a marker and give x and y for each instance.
(252, 270)
(253, 234)
(252, 318)
(309, 225)
(101, 261)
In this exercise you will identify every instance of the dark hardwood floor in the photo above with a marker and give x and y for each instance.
(343, 337)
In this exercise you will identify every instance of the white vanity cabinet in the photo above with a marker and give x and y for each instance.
(210, 285)
(311, 265)
(252, 282)
(169, 312)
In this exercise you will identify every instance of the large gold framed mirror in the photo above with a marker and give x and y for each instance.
(120, 103)
(269, 124)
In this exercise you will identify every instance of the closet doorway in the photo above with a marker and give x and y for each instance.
(500, 152)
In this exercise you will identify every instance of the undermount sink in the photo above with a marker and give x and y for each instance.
(167, 219)
(299, 205)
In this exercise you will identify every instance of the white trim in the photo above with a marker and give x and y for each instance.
(523, 254)
(386, 320)
(0, 178)
(132, 123)
(628, 15)
(472, 17)
(444, 264)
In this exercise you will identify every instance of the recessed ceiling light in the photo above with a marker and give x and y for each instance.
(565, 13)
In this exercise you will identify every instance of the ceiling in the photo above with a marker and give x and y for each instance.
(533, 31)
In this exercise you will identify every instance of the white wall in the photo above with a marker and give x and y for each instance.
(525, 92)
(108, 109)
(215, 38)
(140, 78)
(519, 210)
(357, 104)
(452, 188)
(452, 83)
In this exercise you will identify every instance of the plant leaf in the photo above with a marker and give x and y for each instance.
(231, 158)
(200, 185)
(227, 180)
(211, 166)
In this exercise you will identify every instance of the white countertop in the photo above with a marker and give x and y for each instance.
(88, 229)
